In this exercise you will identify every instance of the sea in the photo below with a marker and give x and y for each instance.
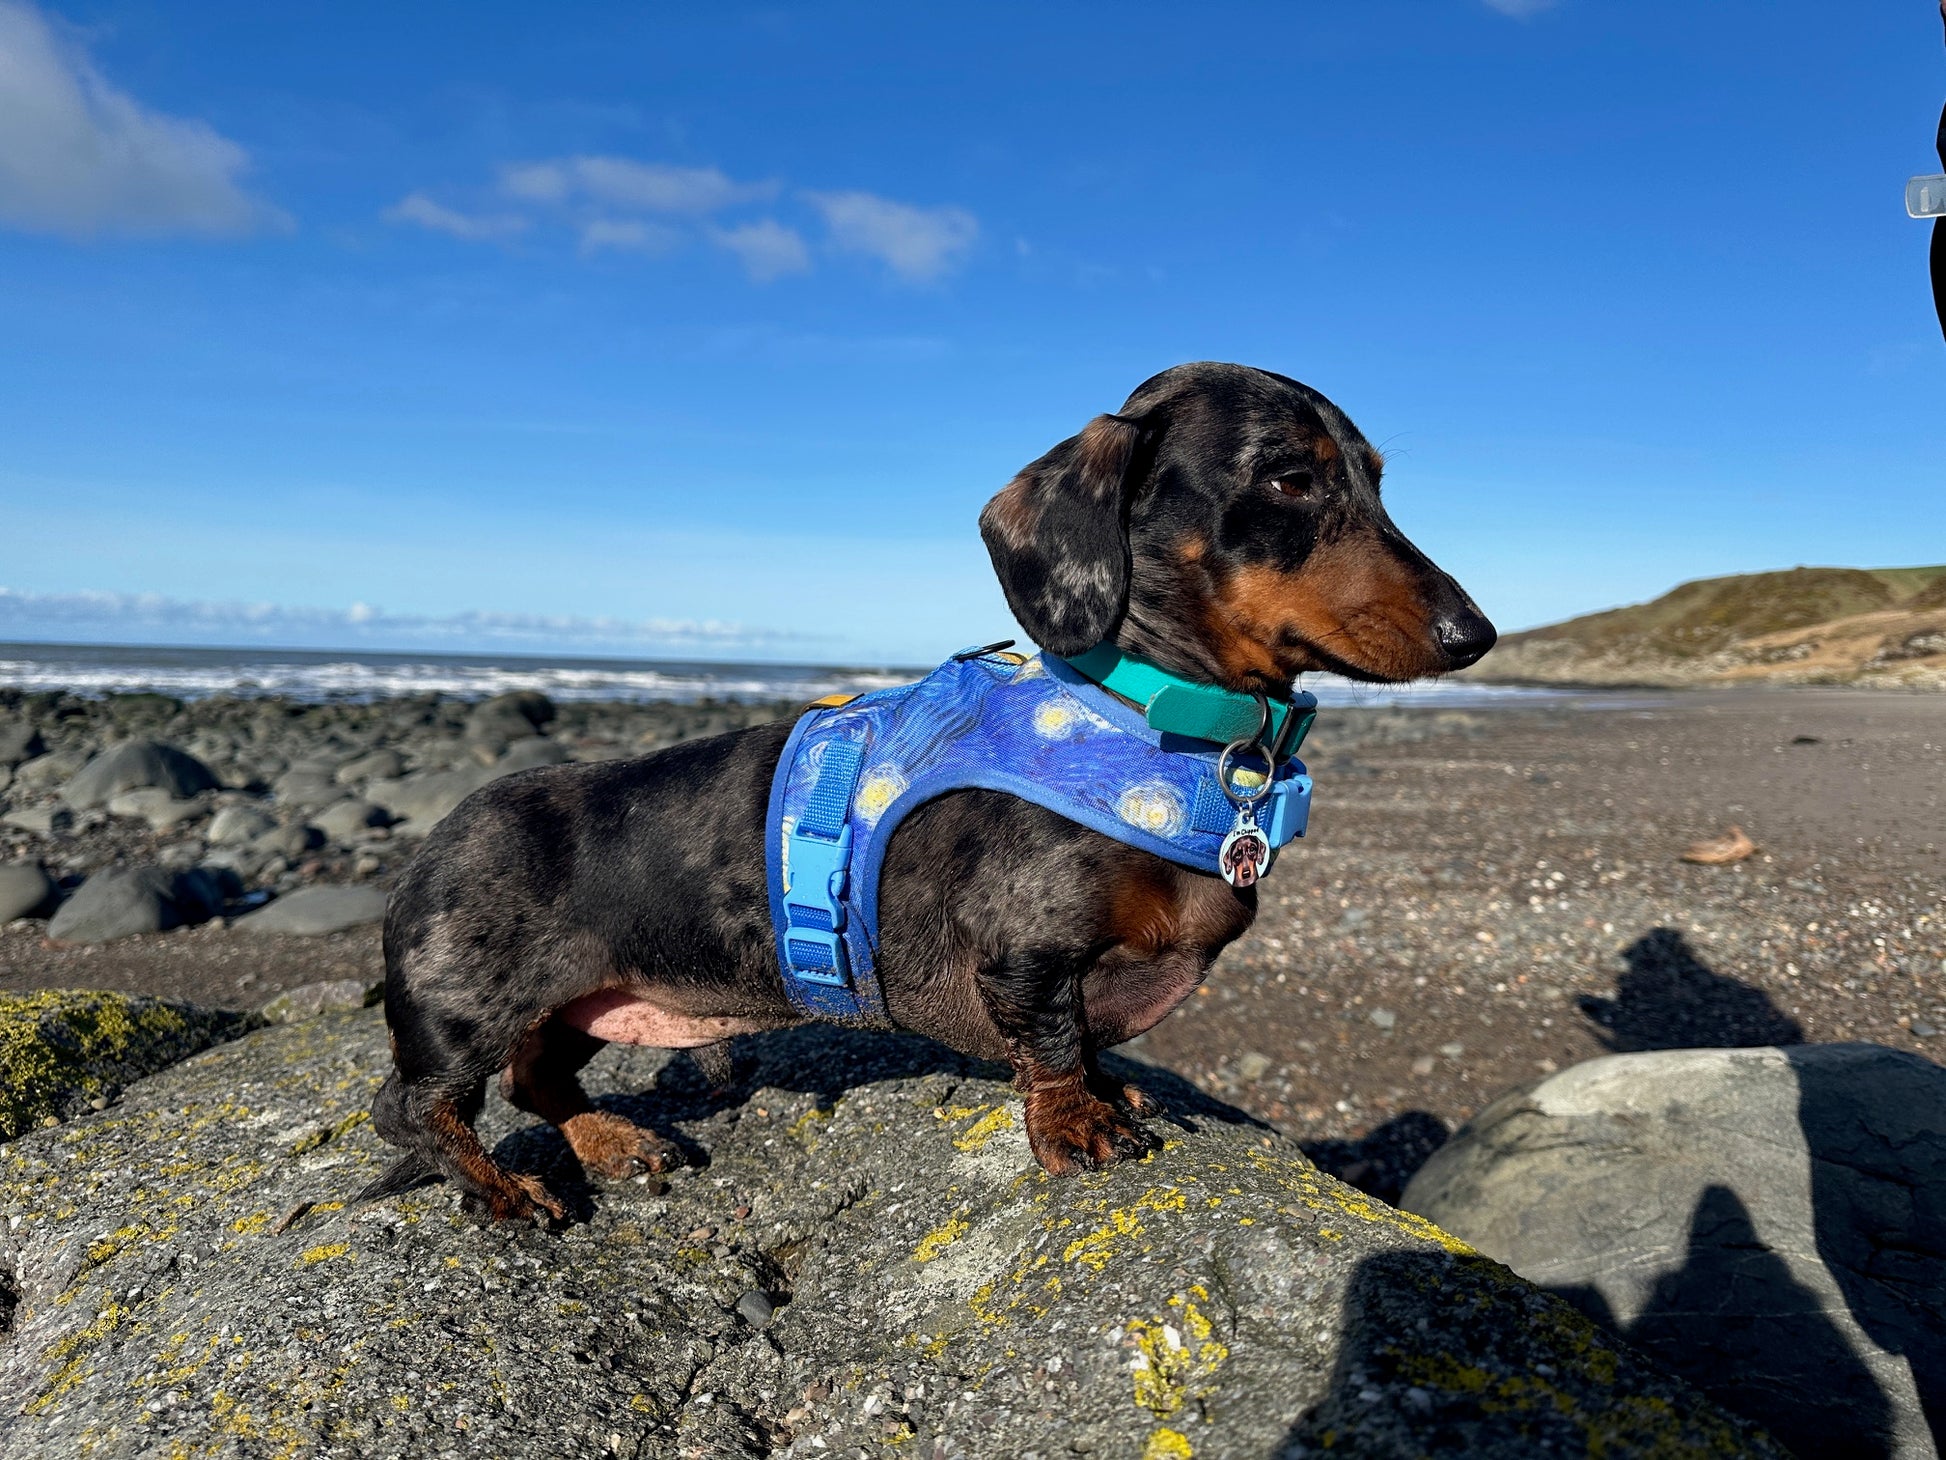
(323, 675)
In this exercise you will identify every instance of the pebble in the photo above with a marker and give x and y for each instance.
(755, 1308)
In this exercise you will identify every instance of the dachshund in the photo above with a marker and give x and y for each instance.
(1225, 524)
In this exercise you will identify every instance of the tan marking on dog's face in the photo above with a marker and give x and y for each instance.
(1352, 601)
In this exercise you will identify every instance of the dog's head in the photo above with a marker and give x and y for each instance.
(1226, 524)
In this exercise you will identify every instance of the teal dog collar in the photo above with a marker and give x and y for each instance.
(1177, 706)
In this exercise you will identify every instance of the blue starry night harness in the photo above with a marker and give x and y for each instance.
(1036, 728)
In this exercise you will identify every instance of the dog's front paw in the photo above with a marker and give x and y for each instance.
(1072, 1130)
(615, 1148)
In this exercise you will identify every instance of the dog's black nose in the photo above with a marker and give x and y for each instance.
(1465, 638)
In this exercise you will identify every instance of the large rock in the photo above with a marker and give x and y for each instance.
(133, 765)
(869, 1258)
(62, 1050)
(234, 825)
(313, 911)
(156, 806)
(384, 763)
(46, 771)
(19, 740)
(25, 891)
(1770, 1223)
(349, 819)
(423, 799)
(512, 716)
(122, 901)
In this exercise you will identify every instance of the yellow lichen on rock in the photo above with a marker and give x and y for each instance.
(58, 1046)
(939, 1239)
(985, 1128)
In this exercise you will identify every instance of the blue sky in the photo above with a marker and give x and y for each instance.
(708, 329)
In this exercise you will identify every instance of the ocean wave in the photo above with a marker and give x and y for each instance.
(359, 680)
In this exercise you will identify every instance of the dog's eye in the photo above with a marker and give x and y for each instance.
(1293, 483)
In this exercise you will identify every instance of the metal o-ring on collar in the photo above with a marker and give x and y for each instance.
(1223, 774)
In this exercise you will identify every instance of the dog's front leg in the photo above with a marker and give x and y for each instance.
(1035, 1000)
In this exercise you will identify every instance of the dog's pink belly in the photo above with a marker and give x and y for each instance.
(621, 1017)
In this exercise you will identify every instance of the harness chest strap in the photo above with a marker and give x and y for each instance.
(850, 773)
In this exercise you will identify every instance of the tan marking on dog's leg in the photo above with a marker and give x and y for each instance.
(508, 1196)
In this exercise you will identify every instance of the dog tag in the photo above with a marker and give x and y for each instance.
(1245, 853)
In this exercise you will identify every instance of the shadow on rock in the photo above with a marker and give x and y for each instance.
(1384, 1159)
(1878, 1203)
(820, 1060)
(1416, 1374)
(1814, 1392)
(1670, 999)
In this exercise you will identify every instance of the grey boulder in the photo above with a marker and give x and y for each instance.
(189, 1276)
(329, 996)
(25, 891)
(44, 772)
(55, 820)
(1769, 1223)
(314, 911)
(155, 805)
(232, 826)
(526, 754)
(123, 901)
(379, 765)
(135, 764)
(19, 740)
(344, 821)
(423, 799)
(306, 787)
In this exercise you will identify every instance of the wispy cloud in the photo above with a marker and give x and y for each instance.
(767, 248)
(80, 157)
(1520, 9)
(917, 244)
(417, 208)
(621, 182)
(136, 616)
(628, 235)
(625, 204)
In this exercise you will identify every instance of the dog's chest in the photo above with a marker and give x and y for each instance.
(1169, 928)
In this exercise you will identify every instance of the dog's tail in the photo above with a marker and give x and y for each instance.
(397, 1179)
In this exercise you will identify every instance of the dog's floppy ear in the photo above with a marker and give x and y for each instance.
(1058, 536)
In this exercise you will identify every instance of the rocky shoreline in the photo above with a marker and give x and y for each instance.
(1486, 899)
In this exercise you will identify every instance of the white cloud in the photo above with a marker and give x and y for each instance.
(767, 248)
(135, 615)
(915, 243)
(621, 182)
(80, 157)
(417, 208)
(1520, 9)
(629, 235)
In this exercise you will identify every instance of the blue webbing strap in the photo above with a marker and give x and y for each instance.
(820, 854)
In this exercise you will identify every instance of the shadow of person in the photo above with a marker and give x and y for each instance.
(1670, 999)
(1734, 1322)
(1878, 1202)
(1440, 1355)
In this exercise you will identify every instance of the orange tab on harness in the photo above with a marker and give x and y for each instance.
(831, 702)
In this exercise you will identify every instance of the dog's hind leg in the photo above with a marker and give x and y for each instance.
(543, 1079)
(435, 1129)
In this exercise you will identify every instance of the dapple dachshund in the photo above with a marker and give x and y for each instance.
(1225, 524)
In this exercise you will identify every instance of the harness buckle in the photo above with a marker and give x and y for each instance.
(814, 907)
